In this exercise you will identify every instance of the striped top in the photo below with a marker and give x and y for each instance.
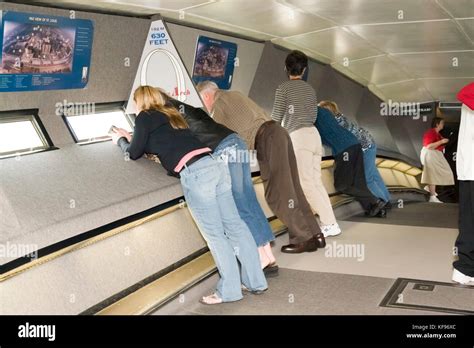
(295, 105)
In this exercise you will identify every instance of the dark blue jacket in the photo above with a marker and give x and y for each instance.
(332, 134)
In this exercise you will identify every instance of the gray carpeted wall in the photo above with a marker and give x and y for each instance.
(115, 39)
(50, 196)
(394, 135)
(248, 52)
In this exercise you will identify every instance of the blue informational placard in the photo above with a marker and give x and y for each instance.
(214, 61)
(42, 52)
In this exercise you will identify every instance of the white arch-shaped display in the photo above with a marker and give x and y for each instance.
(180, 81)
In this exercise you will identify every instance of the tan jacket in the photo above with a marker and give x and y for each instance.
(239, 113)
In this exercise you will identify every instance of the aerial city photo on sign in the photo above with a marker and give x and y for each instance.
(44, 52)
(214, 60)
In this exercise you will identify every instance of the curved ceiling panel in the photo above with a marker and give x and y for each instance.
(351, 12)
(443, 35)
(262, 15)
(336, 43)
(406, 91)
(441, 64)
(377, 70)
(458, 8)
(405, 50)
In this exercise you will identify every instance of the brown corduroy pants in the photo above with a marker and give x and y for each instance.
(283, 192)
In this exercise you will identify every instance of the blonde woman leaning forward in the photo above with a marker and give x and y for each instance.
(161, 130)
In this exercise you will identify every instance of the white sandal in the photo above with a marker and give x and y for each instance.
(211, 299)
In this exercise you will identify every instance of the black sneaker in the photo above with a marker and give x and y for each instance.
(271, 270)
(377, 207)
(382, 213)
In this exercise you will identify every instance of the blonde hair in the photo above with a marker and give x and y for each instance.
(330, 105)
(149, 98)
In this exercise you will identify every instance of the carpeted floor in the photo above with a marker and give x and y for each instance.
(417, 214)
(388, 251)
(356, 270)
(296, 292)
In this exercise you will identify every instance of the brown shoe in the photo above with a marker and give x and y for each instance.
(320, 240)
(308, 246)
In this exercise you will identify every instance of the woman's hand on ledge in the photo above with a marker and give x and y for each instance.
(123, 133)
(115, 137)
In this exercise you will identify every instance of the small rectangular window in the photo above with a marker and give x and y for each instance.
(94, 125)
(21, 132)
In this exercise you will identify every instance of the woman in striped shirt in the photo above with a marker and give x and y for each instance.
(295, 107)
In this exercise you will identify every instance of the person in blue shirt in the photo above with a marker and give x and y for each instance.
(369, 148)
(349, 174)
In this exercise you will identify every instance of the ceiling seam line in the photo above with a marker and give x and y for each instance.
(430, 52)
(459, 26)
(400, 22)
(233, 25)
(306, 48)
(310, 32)
(198, 5)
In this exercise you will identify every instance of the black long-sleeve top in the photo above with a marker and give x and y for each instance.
(202, 125)
(154, 134)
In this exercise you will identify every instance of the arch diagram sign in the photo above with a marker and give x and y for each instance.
(161, 66)
(42, 52)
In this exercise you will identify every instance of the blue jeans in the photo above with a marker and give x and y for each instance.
(372, 176)
(207, 189)
(233, 151)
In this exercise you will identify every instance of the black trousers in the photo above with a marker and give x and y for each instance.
(349, 176)
(465, 240)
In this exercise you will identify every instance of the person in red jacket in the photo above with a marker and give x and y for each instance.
(436, 170)
(463, 272)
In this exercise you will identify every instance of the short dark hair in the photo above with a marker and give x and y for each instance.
(296, 62)
(436, 121)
